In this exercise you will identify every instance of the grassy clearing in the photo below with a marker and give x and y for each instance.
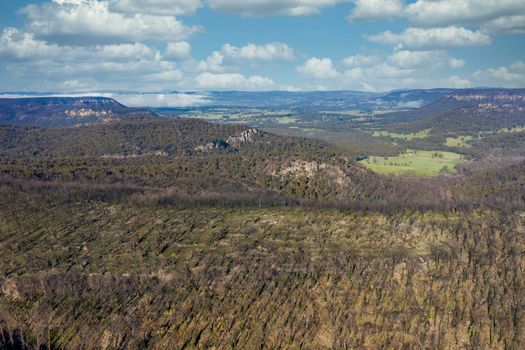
(286, 120)
(460, 141)
(428, 163)
(516, 129)
(407, 137)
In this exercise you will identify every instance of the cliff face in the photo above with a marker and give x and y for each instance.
(493, 95)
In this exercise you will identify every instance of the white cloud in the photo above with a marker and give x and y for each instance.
(511, 76)
(177, 50)
(505, 25)
(432, 38)
(171, 75)
(36, 64)
(380, 77)
(91, 21)
(156, 7)
(267, 52)
(445, 12)
(233, 81)
(361, 60)
(366, 10)
(16, 45)
(318, 68)
(400, 69)
(494, 16)
(213, 63)
(403, 70)
(118, 52)
(456, 63)
(389, 71)
(229, 56)
(425, 59)
(71, 76)
(19, 46)
(258, 8)
(455, 82)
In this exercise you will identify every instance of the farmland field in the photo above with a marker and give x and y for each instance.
(408, 136)
(419, 162)
(460, 141)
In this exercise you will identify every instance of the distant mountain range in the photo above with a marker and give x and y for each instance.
(410, 105)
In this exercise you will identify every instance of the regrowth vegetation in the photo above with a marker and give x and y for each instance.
(148, 232)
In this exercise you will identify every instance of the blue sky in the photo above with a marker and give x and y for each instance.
(76, 46)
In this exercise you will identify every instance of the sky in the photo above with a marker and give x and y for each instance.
(79, 46)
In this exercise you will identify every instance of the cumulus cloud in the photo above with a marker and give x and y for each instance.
(455, 82)
(384, 70)
(16, 45)
(47, 75)
(446, 12)
(387, 76)
(425, 59)
(117, 52)
(91, 21)
(366, 10)
(178, 50)
(229, 56)
(318, 68)
(258, 8)
(156, 7)
(403, 69)
(361, 60)
(380, 77)
(213, 63)
(505, 25)
(511, 76)
(36, 64)
(266, 52)
(456, 63)
(19, 46)
(493, 16)
(432, 38)
(232, 81)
